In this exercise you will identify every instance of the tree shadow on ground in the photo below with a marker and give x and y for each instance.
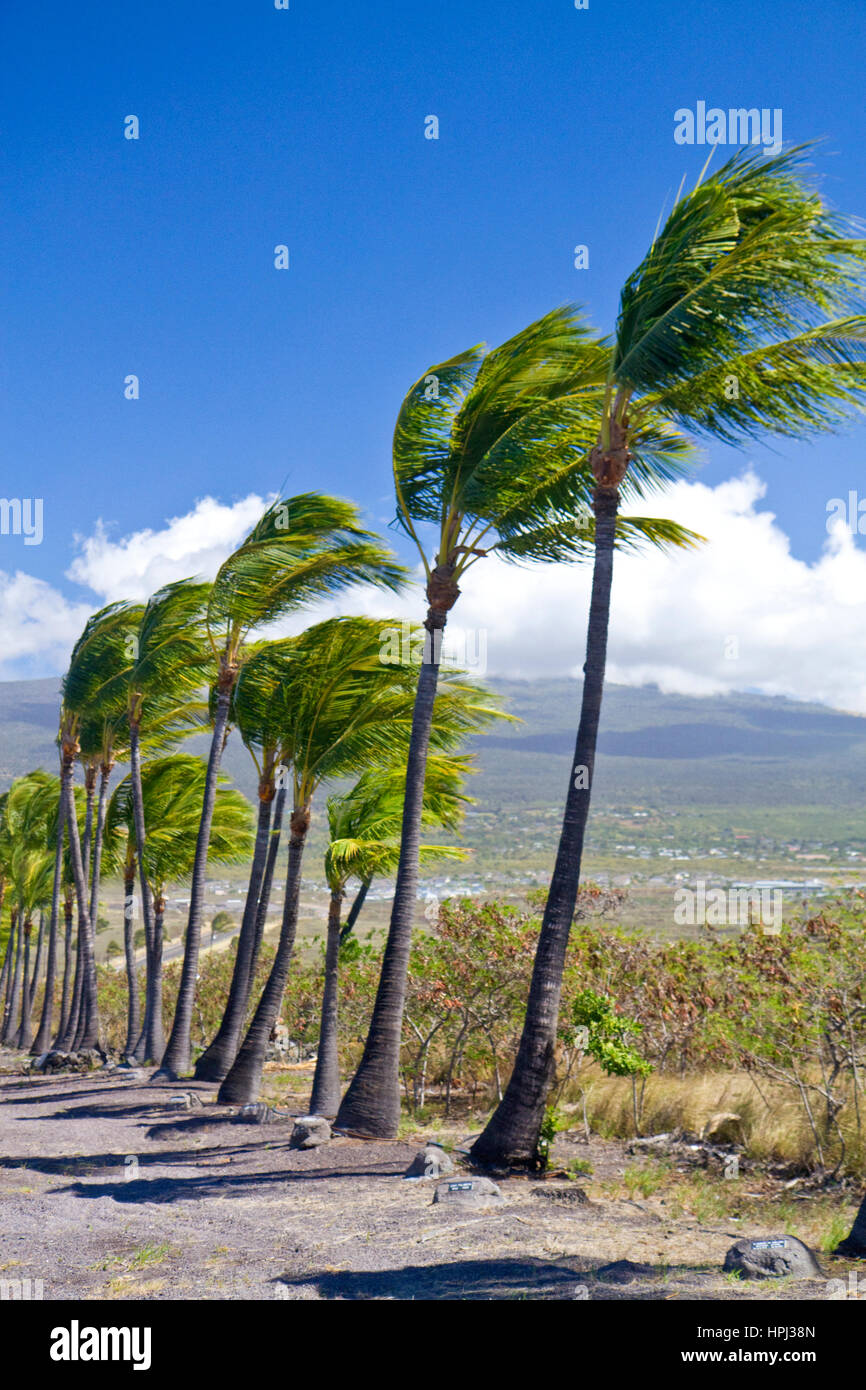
(166, 1189)
(472, 1280)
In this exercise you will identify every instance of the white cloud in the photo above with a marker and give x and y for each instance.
(740, 612)
(187, 546)
(39, 627)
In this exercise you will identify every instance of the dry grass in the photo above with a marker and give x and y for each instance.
(775, 1124)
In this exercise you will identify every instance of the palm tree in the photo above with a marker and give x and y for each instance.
(253, 721)
(751, 281)
(172, 790)
(26, 852)
(364, 831)
(169, 659)
(304, 548)
(338, 708)
(490, 450)
(93, 689)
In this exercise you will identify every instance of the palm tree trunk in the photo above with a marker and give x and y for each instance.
(42, 1041)
(66, 993)
(24, 1035)
(88, 1031)
(139, 1046)
(133, 1026)
(355, 910)
(243, 1081)
(371, 1105)
(6, 973)
(325, 1099)
(14, 988)
(511, 1135)
(176, 1059)
(34, 978)
(89, 790)
(154, 1043)
(267, 883)
(214, 1063)
(96, 863)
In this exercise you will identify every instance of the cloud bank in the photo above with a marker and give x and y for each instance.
(738, 613)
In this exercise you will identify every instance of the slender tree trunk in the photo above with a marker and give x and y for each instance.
(243, 1081)
(176, 1059)
(88, 1036)
(511, 1135)
(42, 1041)
(355, 910)
(87, 842)
(66, 993)
(155, 1032)
(371, 1105)
(96, 863)
(6, 974)
(10, 1010)
(34, 978)
(133, 1025)
(267, 884)
(139, 1047)
(214, 1063)
(24, 1036)
(325, 1099)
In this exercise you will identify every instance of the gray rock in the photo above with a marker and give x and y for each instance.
(471, 1193)
(430, 1162)
(767, 1257)
(186, 1100)
(564, 1194)
(256, 1113)
(624, 1272)
(309, 1132)
(135, 1074)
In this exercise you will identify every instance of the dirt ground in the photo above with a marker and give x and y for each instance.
(106, 1192)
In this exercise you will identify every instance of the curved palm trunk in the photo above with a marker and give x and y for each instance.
(355, 910)
(133, 1022)
(66, 992)
(176, 1058)
(40, 941)
(87, 1035)
(87, 841)
(139, 1046)
(96, 861)
(24, 1035)
(371, 1105)
(214, 1063)
(6, 974)
(73, 1025)
(267, 884)
(154, 1032)
(325, 1099)
(511, 1135)
(10, 1010)
(243, 1081)
(42, 1040)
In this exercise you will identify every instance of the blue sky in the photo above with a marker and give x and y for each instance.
(306, 127)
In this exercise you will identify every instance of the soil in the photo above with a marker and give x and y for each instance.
(107, 1192)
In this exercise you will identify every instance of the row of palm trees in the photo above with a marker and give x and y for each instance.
(742, 318)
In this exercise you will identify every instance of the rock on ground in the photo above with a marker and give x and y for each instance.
(770, 1256)
(309, 1132)
(469, 1193)
(430, 1162)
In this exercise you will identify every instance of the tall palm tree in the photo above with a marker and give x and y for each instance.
(490, 451)
(304, 548)
(93, 690)
(253, 721)
(26, 850)
(169, 661)
(172, 790)
(364, 831)
(338, 708)
(750, 281)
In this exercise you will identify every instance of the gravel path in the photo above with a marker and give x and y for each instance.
(106, 1191)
